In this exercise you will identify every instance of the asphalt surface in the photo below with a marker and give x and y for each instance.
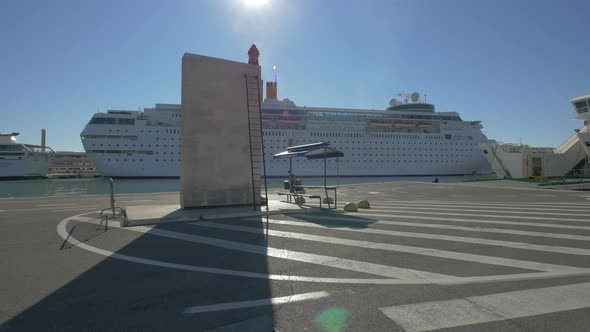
(444, 257)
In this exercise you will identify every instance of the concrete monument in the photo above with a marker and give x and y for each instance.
(221, 151)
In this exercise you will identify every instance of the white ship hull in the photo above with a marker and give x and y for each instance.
(34, 167)
(23, 160)
(147, 144)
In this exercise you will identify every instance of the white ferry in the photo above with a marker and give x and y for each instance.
(407, 138)
(19, 160)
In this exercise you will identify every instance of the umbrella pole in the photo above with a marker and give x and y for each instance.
(291, 182)
(326, 189)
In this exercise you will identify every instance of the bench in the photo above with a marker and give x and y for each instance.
(294, 195)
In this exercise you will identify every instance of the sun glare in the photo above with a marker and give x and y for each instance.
(255, 2)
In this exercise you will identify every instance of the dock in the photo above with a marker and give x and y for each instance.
(424, 256)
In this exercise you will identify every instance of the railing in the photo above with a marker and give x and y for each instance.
(122, 212)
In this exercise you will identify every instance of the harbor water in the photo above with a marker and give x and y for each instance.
(100, 186)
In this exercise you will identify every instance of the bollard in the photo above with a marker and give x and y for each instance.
(328, 200)
(364, 204)
(106, 223)
(350, 207)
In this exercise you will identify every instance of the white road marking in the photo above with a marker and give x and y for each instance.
(500, 243)
(499, 210)
(335, 262)
(404, 210)
(464, 228)
(81, 208)
(136, 200)
(489, 308)
(477, 206)
(386, 246)
(475, 221)
(256, 303)
(573, 205)
(57, 205)
(63, 233)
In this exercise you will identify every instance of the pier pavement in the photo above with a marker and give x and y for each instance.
(460, 257)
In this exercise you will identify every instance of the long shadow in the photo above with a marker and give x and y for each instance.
(120, 295)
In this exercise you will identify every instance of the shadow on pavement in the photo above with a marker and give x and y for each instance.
(121, 295)
(335, 219)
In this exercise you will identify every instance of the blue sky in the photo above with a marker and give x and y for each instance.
(512, 64)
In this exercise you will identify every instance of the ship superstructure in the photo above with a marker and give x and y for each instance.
(18, 160)
(407, 138)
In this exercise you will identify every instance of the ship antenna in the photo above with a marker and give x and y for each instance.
(425, 97)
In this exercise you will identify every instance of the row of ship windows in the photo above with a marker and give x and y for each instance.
(167, 131)
(348, 161)
(113, 121)
(141, 145)
(130, 152)
(364, 143)
(278, 148)
(132, 160)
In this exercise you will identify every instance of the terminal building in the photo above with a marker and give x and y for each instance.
(570, 159)
(72, 164)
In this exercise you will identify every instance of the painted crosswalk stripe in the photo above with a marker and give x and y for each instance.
(387, 246)
(412, 211)
(573, 205)
(463, 220)
(500, 243)
(57, 204)
(81, 208)
(329, 261)
(500, 209)
(64, 234)
(256, 303)
(462, 228)
(489, 308)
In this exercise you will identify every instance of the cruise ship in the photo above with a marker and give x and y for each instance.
(19, 160)
(407, 138)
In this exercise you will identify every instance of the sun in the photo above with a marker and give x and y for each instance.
(255, 3)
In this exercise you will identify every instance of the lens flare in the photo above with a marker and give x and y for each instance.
(255, 2)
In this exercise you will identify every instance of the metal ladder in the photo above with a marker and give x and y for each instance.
(257, 162)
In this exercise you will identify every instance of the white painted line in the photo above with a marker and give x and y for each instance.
(489, 308)
(467, 229)
(256, 303)
(136, 201)
(2, 210)
(81, 208)
(473, 221)
(386, 246)
(474, 206)
(63, 233)
(500, 243)
(57, 205)
(330, 261)
(499, 210)
(402, 210)
(573, 205)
